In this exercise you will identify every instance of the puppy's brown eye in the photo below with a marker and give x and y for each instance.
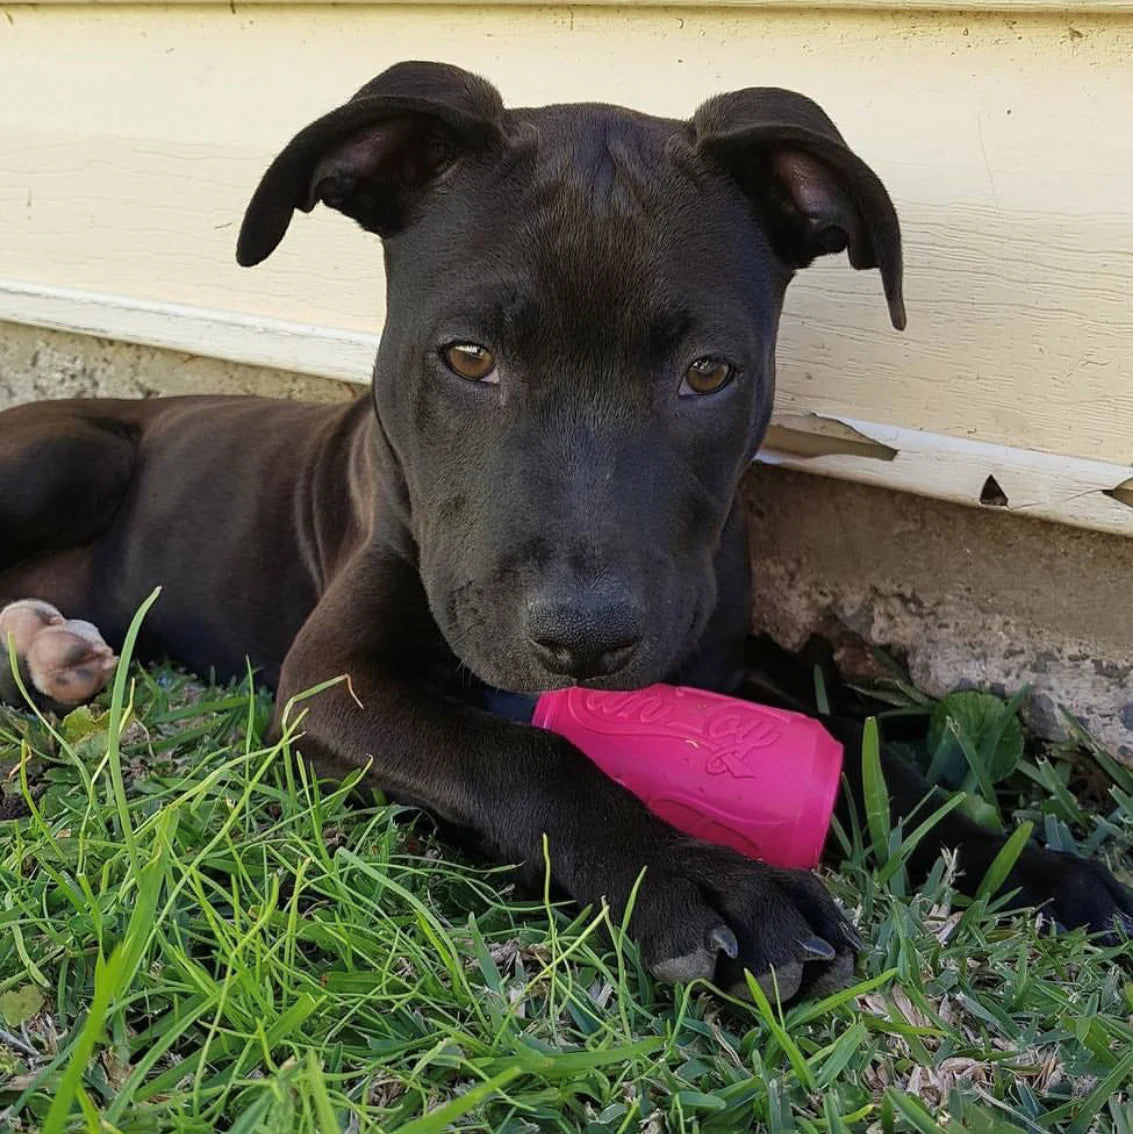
(471, 361)
(706, 376)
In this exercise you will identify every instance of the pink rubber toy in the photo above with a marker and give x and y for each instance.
(760, 780)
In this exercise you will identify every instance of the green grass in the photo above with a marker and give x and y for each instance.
(194, 936)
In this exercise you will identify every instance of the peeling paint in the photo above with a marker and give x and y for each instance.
(1122, 493)
(992, 495)
(812, 435)
(1071, 490)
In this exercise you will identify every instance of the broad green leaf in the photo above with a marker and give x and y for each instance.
(990, 727)
(83, 722)
(18, 1005)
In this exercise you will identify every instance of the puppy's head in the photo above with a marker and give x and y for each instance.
(579, 353)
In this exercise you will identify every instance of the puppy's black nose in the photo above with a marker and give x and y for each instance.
(588, 637)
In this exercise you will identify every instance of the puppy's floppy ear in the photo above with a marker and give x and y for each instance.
(373, 156)
(815, 194)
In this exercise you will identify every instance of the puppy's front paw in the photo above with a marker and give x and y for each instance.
(1074, 892)
(707, 912)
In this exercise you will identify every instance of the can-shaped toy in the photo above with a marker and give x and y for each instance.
(762, 781)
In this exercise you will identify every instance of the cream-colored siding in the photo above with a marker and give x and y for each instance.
(132, 136)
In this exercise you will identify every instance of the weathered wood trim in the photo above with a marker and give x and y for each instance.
(1068, 490)
(250, 339)
(1077, 7)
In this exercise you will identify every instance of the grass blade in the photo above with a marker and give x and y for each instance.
(440, 1120)
(1004, 862)
(114, 727)
(794, 1056)
(913, 1111)
(324, 1112)
(107, 980)
(875, 792)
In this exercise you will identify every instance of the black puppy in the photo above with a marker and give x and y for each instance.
(577, 366)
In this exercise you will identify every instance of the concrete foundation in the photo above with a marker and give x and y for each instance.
(37, 363)
(967, 597)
